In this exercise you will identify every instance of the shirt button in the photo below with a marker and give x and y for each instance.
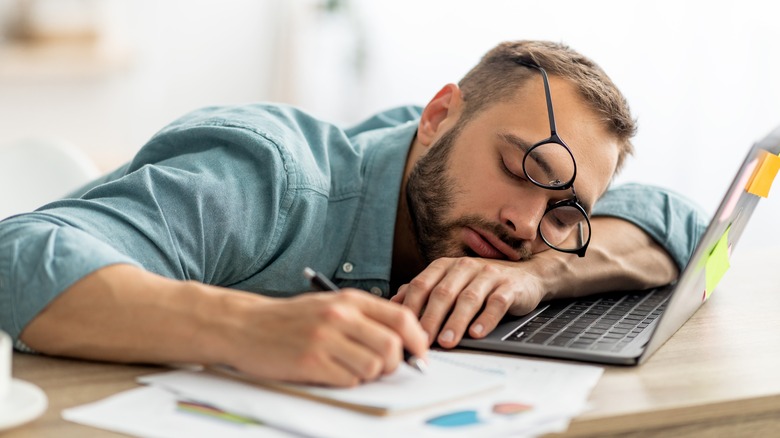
(347, 267)
(377, 291)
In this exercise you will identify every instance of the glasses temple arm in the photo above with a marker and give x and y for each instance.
(550, 113)
(546, 80)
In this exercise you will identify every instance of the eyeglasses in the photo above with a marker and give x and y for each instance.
(550, 164)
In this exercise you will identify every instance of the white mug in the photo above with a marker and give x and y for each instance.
(5, 365)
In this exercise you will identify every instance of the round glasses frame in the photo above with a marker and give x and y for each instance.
(583, 237)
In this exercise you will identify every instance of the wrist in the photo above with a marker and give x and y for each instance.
(221, 319)
(554, 273)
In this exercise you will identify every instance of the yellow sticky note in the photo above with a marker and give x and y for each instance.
(764, 175)
(717, 263)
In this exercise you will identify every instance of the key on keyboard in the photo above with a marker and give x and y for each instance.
(607, 322)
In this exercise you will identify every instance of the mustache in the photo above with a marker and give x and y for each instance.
(498, 230)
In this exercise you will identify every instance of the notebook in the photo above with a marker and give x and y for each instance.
(628, 327)
(448, 379)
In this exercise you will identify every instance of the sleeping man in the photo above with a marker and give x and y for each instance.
(434, 222)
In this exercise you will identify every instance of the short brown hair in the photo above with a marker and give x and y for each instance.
(498, 76)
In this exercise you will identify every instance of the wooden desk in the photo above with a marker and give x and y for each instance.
(718, 376)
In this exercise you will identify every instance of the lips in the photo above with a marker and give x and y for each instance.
(487, 245)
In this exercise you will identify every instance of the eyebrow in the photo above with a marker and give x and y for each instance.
(523, 146)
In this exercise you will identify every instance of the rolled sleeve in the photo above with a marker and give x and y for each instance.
(239, 197)
(39, 259)
(673, 221)
(189, 207)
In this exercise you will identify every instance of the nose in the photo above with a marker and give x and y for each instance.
(522, 215)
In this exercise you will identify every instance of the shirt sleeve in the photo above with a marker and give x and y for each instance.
(673, 221)
(194, 202)
(40, 258)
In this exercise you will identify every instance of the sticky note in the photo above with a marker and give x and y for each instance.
(764, 175)
(717, 263)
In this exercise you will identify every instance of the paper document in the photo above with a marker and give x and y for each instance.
(539, 397)
(446, 380)
(152, 412)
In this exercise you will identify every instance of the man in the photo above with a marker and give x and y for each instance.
(456, 207)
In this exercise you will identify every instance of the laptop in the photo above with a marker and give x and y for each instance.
(626, 328)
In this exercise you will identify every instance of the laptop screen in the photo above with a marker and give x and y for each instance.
(710, 260)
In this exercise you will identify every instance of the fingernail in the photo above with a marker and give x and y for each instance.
(477, 329)
(447, 336)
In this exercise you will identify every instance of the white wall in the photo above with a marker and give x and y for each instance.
(703, 78)
(166, 58)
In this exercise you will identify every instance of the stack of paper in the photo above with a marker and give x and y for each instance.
(462, 394)
(446, 379)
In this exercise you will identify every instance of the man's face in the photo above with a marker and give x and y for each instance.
(468, 195)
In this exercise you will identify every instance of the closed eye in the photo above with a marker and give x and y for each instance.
(565, 217)
(509, 172)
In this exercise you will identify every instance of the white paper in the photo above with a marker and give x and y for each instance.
(445, 380)
(151, 412)
(556, 392)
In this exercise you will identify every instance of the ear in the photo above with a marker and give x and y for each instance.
(440, 114)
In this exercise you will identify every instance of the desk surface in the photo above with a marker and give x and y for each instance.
(717, 373)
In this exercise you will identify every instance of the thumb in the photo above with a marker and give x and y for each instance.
(400, 295)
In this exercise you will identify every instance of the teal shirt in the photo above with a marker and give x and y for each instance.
(245, 197)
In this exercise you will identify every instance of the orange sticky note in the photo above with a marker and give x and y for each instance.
(764, 175)
(717, 263)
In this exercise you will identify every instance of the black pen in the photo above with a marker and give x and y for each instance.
(322, 282)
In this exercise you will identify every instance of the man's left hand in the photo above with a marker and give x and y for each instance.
(451, 292)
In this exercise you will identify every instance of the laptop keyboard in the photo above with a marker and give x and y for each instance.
(604, 322)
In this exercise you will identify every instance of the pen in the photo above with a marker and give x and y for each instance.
(322, 282)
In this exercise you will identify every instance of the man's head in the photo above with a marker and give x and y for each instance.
(497, 78)
(466, 189)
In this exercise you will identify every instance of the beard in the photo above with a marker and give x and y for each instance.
(430, 193)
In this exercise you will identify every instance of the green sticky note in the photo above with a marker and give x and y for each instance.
(717, 263)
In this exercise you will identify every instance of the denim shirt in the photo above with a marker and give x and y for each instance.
(245, 197)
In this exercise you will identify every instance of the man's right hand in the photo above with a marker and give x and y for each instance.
(122, 313)
(334, 338)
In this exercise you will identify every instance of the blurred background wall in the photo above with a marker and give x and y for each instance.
(703, 78)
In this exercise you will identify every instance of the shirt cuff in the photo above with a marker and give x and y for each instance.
(41, 260)
(674, 222)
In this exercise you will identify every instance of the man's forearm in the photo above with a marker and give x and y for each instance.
(123, 313)
(620, 257)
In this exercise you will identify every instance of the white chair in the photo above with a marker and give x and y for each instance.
(35, 172)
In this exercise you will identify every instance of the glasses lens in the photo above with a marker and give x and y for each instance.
(549, 165)
(565, 227)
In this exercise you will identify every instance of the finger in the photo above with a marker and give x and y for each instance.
(467, 305)
(360, 343)
(496, 306)
(359, 355)
(332, 372)
(397, 318)
(417, 291)
(442, 299)
(383, 345)
(400, 295)
(314, 366)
